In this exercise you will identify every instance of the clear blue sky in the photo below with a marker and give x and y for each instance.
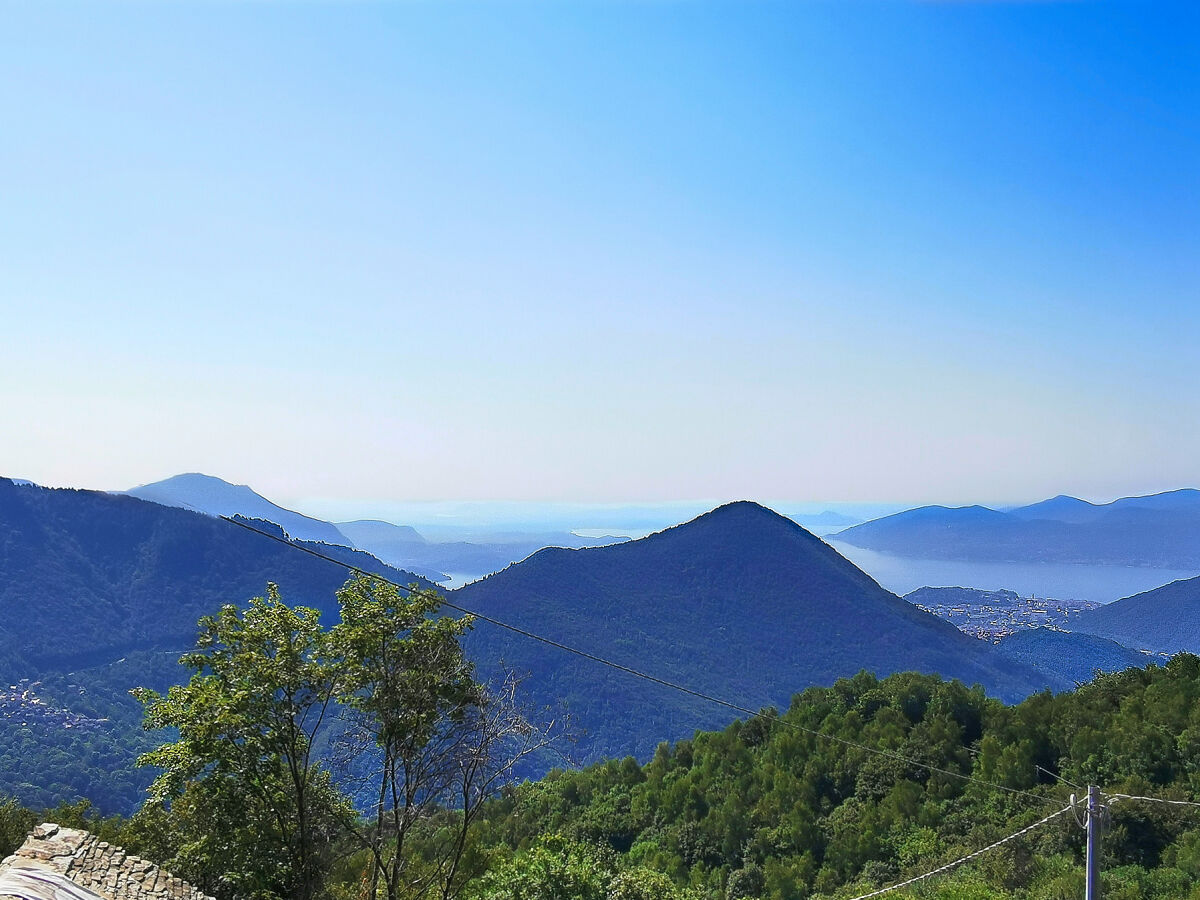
(619, 251)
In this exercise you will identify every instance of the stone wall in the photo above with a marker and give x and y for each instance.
(97, 866)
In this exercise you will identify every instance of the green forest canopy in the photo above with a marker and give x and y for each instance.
(761, 809)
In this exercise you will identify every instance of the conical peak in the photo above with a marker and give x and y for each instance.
(743, 517)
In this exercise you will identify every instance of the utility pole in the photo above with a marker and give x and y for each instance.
(1095, 831)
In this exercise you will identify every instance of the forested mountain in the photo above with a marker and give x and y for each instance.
(88, 576)
(216, 497)
(100, 593)
(1164, 620)
(740, 602)
(1161, 530)
(1069, 658)
(798, 808)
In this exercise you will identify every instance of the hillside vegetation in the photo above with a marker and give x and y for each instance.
(765, 809)
(853, 787)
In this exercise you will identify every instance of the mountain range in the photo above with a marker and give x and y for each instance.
(100, 592)
(1158, 530)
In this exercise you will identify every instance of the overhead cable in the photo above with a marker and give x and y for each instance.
(1115, 797)
(941, 870)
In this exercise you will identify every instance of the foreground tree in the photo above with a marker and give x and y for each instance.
(425, 741)
(250, 808)
(252, 813)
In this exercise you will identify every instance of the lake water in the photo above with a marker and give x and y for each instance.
(458, 579)
(1063, 581)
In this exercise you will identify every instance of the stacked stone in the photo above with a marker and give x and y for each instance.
(100, 866)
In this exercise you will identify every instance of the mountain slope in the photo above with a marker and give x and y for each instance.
(374, 531)
(1070, 658)
(741, 603)
(216, 497)
(100, 592)
(1164, 620)
(86, 575)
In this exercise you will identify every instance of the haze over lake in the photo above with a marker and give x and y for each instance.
(1064, 581)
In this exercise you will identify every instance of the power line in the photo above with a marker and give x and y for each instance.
(646, 676)
(1117, 797)
(970, 856)
(1057, 777)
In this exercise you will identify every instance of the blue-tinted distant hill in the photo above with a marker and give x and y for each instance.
(364, 532)
(216, 497)
(1164, 620)
(1161, 530)
(1064, 508)
(740, 602)
(1059, 509)
(1070, 658)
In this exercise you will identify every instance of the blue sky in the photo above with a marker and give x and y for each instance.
(603, 252)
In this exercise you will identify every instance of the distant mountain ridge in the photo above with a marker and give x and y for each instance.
(216, 497)
(365, 531)
(401, 546)
(740, 602)
(1157, 530)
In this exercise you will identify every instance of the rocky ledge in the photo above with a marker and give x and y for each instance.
(53, 853)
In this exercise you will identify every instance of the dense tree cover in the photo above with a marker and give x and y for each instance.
(252, 799)
(101, 593)
(89, 576)
(762, 809)
(1071, 656)
(83, 735)
(765, 809)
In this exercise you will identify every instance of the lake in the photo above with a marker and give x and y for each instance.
(1063, 581)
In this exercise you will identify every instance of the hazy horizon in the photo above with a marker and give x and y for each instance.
(634, 518)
